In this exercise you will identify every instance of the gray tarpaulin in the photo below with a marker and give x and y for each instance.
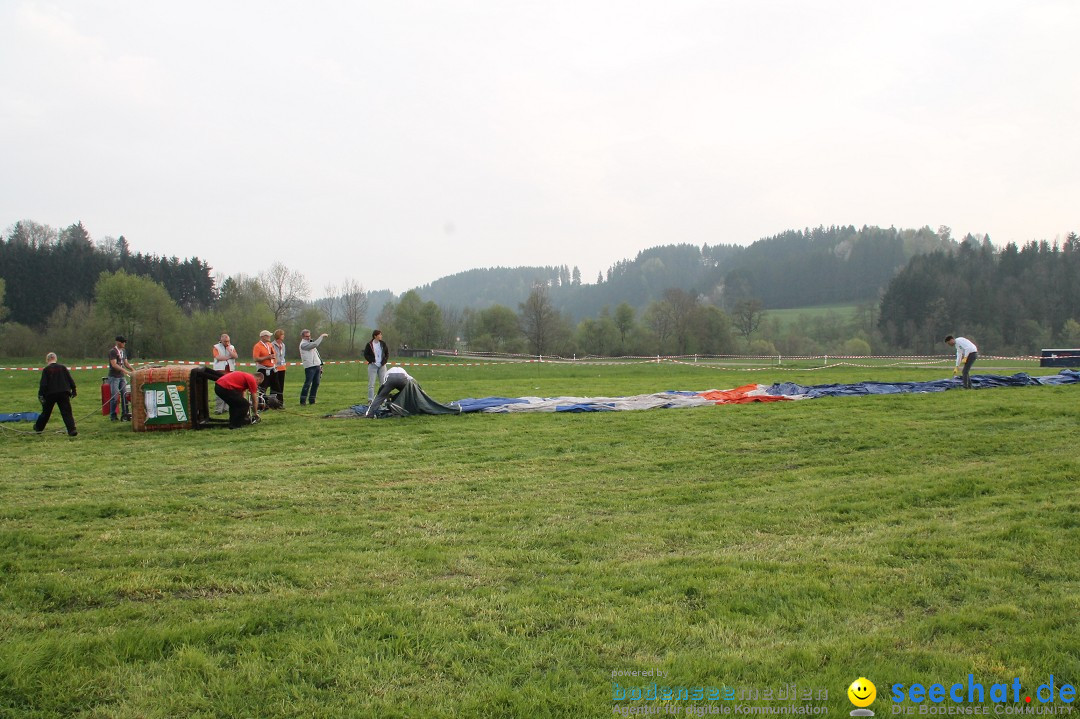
(409, 401)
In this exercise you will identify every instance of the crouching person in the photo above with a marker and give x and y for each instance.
(230, 388)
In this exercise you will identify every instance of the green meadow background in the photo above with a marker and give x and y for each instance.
(507, 565)
(790, 316)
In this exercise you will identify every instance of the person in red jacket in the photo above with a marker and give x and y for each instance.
(230, 388)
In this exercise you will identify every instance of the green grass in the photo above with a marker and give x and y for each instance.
(506, 565)
(789, 316)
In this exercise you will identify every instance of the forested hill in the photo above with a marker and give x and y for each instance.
(637, 282)
(44, 269)
(492, 286)
(794, 269)
(830, 265)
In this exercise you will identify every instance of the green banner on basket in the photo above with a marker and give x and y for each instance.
(166, 402)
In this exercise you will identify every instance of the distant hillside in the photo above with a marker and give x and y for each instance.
(490, 286)
(826, 265)
(798, 268)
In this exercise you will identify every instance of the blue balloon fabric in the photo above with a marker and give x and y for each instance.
(673, 399)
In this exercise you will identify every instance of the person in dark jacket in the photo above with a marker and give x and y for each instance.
(57, 388)
(377, 354)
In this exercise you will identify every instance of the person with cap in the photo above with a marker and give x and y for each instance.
(57, 389)
(119, 369)
(309, 357)
(225, 357)
(395, 379)
(377, 355)
(263, 354)
(230, 388)
(966, 352)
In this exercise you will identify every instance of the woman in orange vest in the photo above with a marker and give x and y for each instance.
(263, 354)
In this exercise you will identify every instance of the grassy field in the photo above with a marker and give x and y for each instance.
(795, 314)
(509, 565)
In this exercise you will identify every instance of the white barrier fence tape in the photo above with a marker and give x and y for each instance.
(707, 361)
(160, 363)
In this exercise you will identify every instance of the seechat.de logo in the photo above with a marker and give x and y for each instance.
(862, 693)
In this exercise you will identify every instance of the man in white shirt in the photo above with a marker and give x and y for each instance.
(966, 352)
(309, 357)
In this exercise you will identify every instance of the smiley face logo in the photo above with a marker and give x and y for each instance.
(862, 692)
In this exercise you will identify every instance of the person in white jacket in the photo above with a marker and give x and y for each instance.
(224, 362)
(309, 357)
(966, 352)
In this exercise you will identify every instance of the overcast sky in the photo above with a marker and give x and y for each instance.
(397, 142)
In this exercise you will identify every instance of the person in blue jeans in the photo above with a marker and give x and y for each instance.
(119, 369)
(377, 355)
(309, 357)
(966, 353)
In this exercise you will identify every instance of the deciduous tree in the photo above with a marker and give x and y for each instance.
(141, 310)
(539, 320)
(747, 317)
(624, 321)
(285, 291)
(354, 307)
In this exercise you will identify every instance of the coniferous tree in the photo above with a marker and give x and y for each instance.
(45, 269)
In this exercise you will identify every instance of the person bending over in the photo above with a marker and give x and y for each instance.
(396, 379)
(966, 352)
(230, 388)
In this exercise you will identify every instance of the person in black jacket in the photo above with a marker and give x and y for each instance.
(56, 388)
(376, 353)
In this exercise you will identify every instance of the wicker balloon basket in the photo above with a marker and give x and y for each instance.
(173, 397)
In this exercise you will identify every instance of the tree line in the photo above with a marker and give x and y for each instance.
(1014, 301)
(1010, 301)
(60, 291)
(798, 268)
(1017, 300)
(678, 323)
(44, 268)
